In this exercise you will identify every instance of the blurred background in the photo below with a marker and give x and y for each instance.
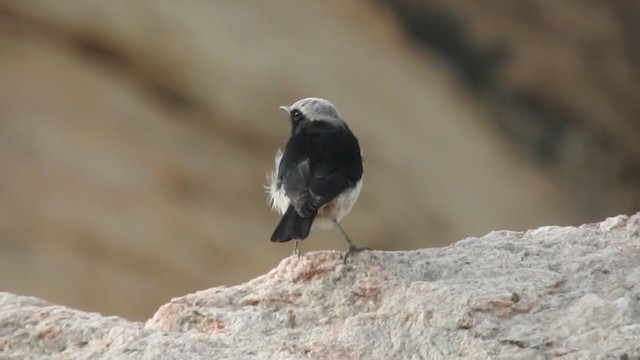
(135, 135)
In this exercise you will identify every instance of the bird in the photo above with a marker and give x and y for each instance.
(318, 177)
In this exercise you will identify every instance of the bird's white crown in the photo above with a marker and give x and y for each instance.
(316, 109)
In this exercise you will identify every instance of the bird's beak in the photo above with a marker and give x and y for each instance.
(285, 108)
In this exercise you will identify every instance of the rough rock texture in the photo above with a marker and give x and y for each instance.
(555, 291)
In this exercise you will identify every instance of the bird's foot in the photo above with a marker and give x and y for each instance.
(296, 251)
(352, 251)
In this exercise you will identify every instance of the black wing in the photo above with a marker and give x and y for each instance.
(320, 161)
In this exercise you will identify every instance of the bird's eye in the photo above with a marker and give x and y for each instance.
(296, 115)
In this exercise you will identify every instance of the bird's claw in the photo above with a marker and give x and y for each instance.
(352, 251)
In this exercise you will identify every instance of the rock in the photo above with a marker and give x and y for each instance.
(555, 291)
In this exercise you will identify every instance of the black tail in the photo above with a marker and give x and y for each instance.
(292, 226)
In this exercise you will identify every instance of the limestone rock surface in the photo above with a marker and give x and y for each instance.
(568, 292)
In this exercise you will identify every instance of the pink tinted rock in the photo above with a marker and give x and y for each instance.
(555, 291)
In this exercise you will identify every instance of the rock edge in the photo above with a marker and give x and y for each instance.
(569, 292)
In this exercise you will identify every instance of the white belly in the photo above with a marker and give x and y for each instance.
(338, 207)
(335, 209)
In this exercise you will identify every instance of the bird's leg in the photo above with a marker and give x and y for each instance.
(296, 251)
(353, 248)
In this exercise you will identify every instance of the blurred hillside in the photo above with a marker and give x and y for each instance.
(135, 136)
